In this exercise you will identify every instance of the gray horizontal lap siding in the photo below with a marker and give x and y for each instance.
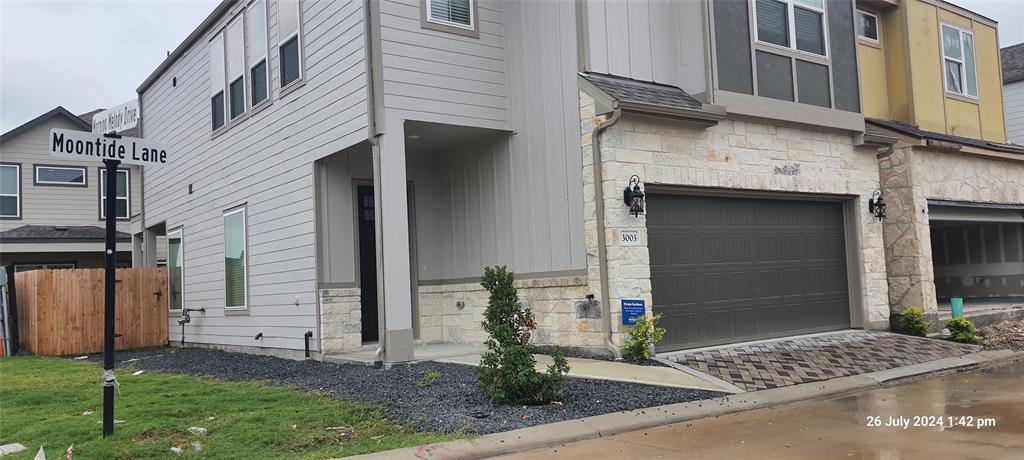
(265, 161)
(54, 204)
(1013, 103)
(442, 77)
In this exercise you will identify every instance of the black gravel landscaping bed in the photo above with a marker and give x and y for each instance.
(451, 403)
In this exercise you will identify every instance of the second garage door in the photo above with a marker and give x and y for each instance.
(727, 269)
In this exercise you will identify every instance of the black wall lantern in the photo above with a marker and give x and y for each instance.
(876, 205)
(633, 196)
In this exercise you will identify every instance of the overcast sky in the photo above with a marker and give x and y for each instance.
(89, 54)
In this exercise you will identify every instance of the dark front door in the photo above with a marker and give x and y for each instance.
(367, 262)
(728, 269)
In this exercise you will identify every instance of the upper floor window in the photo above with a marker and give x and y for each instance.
(958, 61)
(794, 24)
(60, 175)
(455, 13)
(217, 80)
(235, 53)
(257, 38)
(123, 201)
(289, 50)
(10, 190)
(867, 26)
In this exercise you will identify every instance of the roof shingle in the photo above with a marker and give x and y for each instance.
(644, 92)
(1012, 58)
(59, 233)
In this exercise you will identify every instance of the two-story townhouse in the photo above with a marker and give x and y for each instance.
(954, 187)
(51, 209)
(353, 166)
(1012, 58)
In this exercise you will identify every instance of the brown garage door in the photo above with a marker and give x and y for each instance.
(727, 269)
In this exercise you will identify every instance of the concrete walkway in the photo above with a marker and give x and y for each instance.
(618, 372)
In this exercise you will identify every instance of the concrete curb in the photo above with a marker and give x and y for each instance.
(541, 436)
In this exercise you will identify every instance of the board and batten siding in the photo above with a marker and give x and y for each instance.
(264, 161)
(59, 205)
(514, 199)
(441, 77)
(1013, 105)
(648, 40)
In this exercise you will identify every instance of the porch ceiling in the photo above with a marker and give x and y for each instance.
(428, 138)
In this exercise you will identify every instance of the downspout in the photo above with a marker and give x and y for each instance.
(602, 250)
(371, 34)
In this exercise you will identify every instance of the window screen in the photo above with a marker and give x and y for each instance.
(234, 259)
(290, 61)
(236, 67)
(772, 22)
(175, 279)
(867, 26)
(257, 38)
(457, 12)
(810, 35)
(10, 191)
(123, 200)
(290, 54)
(217, 80)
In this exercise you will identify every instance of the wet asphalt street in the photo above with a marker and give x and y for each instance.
(911, 421)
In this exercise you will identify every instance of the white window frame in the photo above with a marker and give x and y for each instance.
(791, 23)
(878, 28)
(127, 190)
(181, 236)
(245, 246)
(17, 167)
(228, 79)
(962, 61)
(298, 41)
(266, 54)
(83, 169)
(223, 78)
(444, 22)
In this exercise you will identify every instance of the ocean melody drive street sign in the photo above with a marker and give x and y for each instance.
(84, 146)
(117, 119)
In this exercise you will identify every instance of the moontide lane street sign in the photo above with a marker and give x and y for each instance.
(80, 145)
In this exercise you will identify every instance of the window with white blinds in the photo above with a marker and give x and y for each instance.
(289, 50)
(175, 273)
(235, 283)
(122, 199)
(958, 61)
(794, 24)
(456, 13)
(257, 39)
(235, 57)
(217, 80)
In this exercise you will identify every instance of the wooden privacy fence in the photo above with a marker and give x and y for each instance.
(60, 312)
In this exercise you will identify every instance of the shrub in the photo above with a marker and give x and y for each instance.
(506, 371)
(963, 330)
(913, 322)
(643, 336)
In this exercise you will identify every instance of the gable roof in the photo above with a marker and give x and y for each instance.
(1012, 58)
(58, 111)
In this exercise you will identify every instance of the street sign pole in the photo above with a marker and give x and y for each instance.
(109, 381)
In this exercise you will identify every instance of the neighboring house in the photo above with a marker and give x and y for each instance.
(51, 213)
(349, 168)
(954, 187)
(1013, 91)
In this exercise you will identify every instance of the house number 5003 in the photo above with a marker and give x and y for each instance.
(629, 238)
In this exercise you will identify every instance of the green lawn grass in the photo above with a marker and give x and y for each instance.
(42, 401)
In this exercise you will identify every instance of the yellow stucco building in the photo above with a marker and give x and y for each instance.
(931, 90)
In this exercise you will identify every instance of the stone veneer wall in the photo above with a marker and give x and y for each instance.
(340, 320)
(735, 154)
(910, 177)
(454, 312)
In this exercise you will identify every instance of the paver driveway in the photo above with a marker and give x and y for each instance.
(819, 357)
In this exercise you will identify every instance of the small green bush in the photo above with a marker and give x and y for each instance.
(913, 322)
(963, 330)
(643, 336)
(506, 371)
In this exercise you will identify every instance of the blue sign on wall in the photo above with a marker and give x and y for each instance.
(631, 310)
